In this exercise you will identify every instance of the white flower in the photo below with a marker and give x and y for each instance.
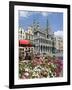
(38, 68)
(26, 74)
(27, 69)
(35, 74)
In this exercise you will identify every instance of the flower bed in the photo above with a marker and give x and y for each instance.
(41, 68)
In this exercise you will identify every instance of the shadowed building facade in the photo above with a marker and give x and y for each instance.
(44, 39)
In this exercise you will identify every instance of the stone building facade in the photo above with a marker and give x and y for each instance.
(59, 44)
(43, 39)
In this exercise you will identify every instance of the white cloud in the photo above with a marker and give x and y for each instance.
(58, 33)
(24, 13)
(46, 14)
(27, 14)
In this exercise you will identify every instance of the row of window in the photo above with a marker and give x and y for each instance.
(43, 48)
(43, 41)
(27, 37)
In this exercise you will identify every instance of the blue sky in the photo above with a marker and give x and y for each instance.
(55, 19)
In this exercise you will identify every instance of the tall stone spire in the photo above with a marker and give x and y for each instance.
(34, 24)
(38, 25)
(47, 27)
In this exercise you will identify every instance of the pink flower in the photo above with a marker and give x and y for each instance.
(37, 61)
(25, 75)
